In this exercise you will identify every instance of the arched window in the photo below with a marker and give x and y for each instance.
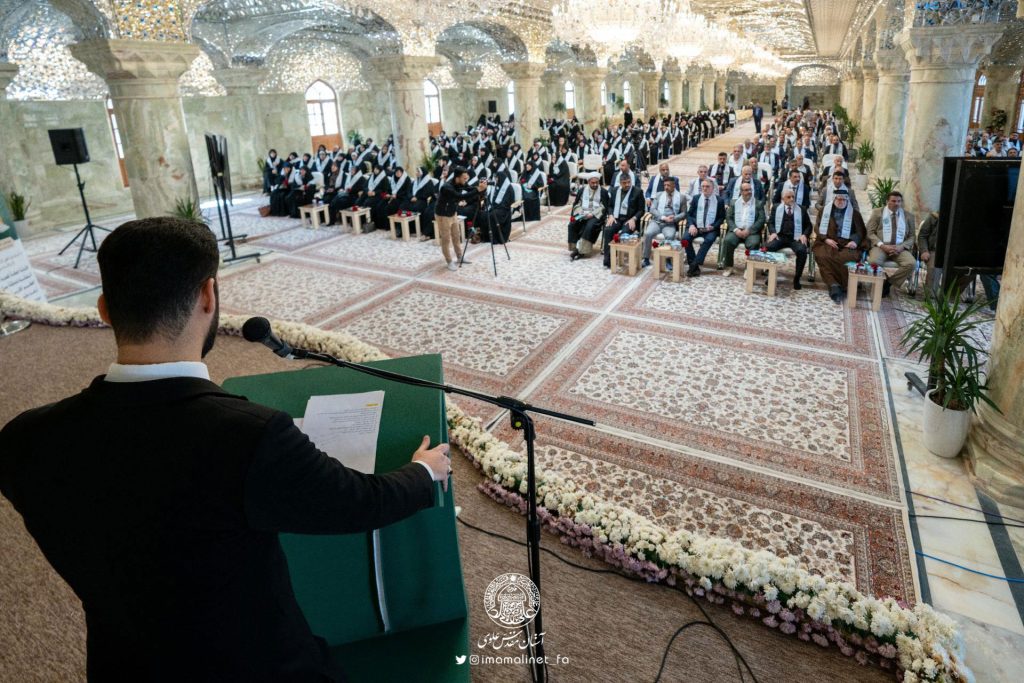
(604, 96)
(511, 92)
(978, 100)
(433, 100)
(1019, 127)
(627, 97)
(664, 92)
(118, 147)
(322, 107)
(570, 96)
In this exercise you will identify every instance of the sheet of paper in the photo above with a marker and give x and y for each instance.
(345, 427)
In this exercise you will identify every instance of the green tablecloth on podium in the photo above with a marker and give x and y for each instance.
(419, 568)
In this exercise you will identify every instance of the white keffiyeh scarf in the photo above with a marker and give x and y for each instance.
(846, 230)
(798, 219)
(620, 201)
(798, 190)
(712, 208)
(901, 226)
(376, 180)
(663, 203)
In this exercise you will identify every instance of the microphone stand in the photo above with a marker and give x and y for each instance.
(521, 421)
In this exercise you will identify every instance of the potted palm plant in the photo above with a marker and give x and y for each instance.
(19, 204)
(558, 107)
(946, 339)
(880, 189)
(188, 208)
(865, 157)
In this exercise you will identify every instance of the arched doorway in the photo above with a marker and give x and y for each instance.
(978, 100)
(510, 92)
(432, 99)
(322, 108)
(604, 98)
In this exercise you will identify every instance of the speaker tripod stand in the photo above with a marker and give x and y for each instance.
(87, 233)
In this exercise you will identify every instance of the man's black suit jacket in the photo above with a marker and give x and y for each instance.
(160, 503)
(635, 204)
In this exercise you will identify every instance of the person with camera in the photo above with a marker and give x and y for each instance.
(452, 193)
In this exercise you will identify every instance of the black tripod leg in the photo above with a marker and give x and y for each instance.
(81, 247)
(73, 240)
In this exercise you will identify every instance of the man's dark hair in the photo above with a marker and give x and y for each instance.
(152, 270)
(894, 193)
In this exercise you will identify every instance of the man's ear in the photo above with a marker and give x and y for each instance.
(207, 296)
(101, 306)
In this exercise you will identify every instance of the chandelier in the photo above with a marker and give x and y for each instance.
(612, 23)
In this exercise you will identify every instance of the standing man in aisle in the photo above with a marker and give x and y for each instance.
(452, 193)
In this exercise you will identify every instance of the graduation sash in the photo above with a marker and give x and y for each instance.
(712, 209)
(798, 220)
(901, 226)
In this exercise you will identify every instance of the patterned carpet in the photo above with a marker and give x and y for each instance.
(762, 419)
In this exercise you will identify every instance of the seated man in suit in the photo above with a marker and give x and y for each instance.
(840, 240)
(721, 172)
(745, 218)
(667, 210)
(623, 170)
(703, 220)
(627, 208)
(592, 202)
(891, 236)
(790, 228)
(166, 523)
(746, 175)
(693, 189)
(657, 183)
(801, 190)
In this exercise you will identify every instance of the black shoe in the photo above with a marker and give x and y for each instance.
(886, 288)
(694, 271)
(796, 284)
(573, 255)
(835, 292)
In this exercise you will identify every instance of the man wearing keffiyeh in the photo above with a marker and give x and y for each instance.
(839, 241)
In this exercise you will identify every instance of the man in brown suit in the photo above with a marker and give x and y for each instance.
(841, 242)
(891, 236)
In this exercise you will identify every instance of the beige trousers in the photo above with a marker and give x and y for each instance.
(448, 235)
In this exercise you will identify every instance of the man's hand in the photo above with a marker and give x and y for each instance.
(609, 222)
(803, 240)
(832, 243)
(772, 236)
(436, 459)
(851, 245)
(693, 231)
(742, 233)
(925, 255)
(631, 224)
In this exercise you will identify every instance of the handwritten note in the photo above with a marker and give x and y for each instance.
(16, 276)
(345, 427)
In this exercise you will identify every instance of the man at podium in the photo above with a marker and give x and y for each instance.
(159, 497)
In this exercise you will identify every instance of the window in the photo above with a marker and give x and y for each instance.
(433, 99)
(511, 90)
(118, 147)
(570, 96)
(322, 108)
(604, 96)
(627, 97)
(978, 100)
(664, 92)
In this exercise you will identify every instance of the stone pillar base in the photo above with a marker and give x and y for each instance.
(994, 453)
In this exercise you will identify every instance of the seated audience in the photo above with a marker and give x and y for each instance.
(704, 218)
(745, 218)
(842, 241)
(627, 209)
(667, 210)
(790, 228)
(891, 236)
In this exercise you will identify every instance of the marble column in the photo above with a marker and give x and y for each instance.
(856, 96)
(780, 89)
(588, 95)
(246, 137)
(407, 106)
(890, 109)
(143, 80)
(869, 102)
(708, 90)
(995, 445)
(943, 62)
(468, 78)
(720, 102)
(552, 90)
(1001, 87)
(696, 87)
(526, 76)
(675, 90)
(651, 81)
(7, 154)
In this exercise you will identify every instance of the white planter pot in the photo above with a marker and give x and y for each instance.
(945, 431)
(21, 227)
(860, 182)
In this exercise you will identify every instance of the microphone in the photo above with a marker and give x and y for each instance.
(258, 330)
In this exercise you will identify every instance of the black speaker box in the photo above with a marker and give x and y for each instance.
(492, 106)
(69, 146)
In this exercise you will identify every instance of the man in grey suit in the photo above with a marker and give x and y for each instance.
(745, 218)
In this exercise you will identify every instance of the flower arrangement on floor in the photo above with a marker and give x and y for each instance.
(918, 644)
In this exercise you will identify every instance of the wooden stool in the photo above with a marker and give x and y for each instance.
(661, 254)
(753, 267)
(876, 282)
(355, 218)
(407, 225)
(632, 253)
(316, 214)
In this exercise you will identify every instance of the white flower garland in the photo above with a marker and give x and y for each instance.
(924, 644)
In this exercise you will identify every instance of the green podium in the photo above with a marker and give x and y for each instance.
(391, 604)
